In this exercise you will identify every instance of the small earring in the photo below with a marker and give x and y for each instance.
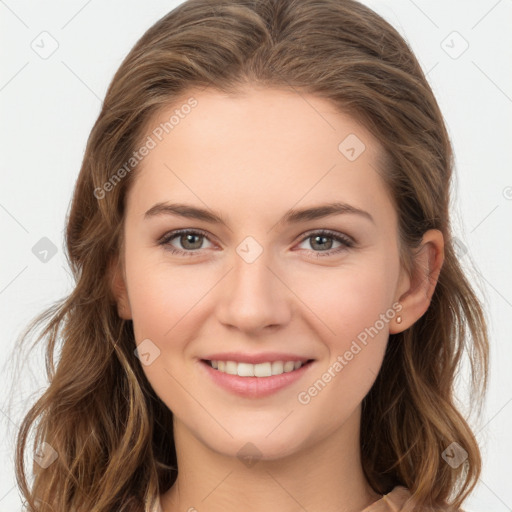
(398, 319)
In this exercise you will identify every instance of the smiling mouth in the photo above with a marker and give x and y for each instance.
(266, 369)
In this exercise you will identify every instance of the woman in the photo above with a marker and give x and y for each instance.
(269, 311)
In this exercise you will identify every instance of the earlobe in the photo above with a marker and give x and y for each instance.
(428, 261)
(118, 289)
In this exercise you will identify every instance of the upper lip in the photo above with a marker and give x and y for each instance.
(262, 357)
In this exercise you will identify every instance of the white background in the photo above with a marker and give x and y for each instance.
(48, 107)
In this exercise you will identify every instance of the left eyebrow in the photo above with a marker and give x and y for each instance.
(321, 211)
(291, 217)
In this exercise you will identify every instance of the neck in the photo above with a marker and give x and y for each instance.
(326, 476)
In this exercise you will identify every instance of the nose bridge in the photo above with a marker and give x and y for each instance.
(253, 297)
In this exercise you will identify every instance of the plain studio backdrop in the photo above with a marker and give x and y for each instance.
(57, 59)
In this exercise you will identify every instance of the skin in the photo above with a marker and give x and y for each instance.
(252, 157)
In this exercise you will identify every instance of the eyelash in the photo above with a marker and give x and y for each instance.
(343, 239)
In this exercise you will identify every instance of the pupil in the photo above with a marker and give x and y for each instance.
(323, 240)
(189, 240)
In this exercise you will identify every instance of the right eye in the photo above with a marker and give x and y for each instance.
(190, 241)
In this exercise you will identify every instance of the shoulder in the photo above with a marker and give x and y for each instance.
(394, 501)
(390, 502)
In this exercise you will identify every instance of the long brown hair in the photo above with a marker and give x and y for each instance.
(112, 435)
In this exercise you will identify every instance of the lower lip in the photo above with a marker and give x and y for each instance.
(254, 387)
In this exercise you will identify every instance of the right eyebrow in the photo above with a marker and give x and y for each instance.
(184, 210)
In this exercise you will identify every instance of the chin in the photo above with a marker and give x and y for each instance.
(256, 444)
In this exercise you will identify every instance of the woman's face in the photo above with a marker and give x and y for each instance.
(256, 280)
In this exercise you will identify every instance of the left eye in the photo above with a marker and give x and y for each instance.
(323, 240)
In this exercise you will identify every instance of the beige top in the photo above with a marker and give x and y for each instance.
(390, 502)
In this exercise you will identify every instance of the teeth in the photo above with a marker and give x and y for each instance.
(289, 366)
(256, 370)
(244, 369)
(231, 367)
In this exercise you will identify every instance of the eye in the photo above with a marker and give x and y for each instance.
(323, 241)
(189, 240)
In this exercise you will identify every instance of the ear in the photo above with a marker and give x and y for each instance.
(118, 288)
(427, 264)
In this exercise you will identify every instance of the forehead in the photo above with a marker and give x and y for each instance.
(257, 148)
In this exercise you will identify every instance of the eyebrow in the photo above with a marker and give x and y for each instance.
(291, 217)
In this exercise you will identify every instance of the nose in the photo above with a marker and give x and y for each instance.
(253, 297)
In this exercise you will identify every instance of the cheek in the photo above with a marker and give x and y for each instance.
(350, 305)
(355, 345)
(350, 298)
(161, 296)
(163, 302)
